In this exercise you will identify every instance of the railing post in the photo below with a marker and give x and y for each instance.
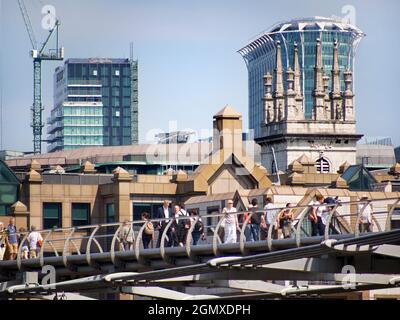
(19, 258)
(301, 219)
(388, 225)
(41, 253)
(242, 237)
(357, 229)
(114, 239)
(328, 221)
(189, 237)
(162, 242)
(137, 245)
(216, 237)
(271, 227)
(88, 256)
(65, 249)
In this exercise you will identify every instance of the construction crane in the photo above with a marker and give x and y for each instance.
(38, 55)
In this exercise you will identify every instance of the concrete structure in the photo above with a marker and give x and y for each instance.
(327, 139)
(259, 55)
(136, 159)
(95, 104)
(375, 153)
(10, 154)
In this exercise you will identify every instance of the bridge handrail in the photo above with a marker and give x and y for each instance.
(219, 214)
(94, 234)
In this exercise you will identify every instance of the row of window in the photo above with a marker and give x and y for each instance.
(52, 214)
(82, 111)
(94, 70)
(83, 140)
(84, 90)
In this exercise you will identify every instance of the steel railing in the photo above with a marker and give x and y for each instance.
(108, 238)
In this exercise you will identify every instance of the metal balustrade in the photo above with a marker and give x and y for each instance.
(81, 244)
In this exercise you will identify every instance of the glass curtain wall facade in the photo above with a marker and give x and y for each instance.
(259, 56)
(92, 104)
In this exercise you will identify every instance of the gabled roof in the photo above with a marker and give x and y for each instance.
(199, 180)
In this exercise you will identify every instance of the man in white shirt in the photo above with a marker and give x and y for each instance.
(34, 239)
(231, 224)
(365, 211)
(268, 219)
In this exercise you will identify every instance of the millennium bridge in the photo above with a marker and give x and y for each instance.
(92, 258)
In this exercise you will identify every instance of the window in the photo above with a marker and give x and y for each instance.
(80, 214)
(9, 186)
(52, 215)
(117, 72)
(110, 213)
(139, 208)
(322, 165)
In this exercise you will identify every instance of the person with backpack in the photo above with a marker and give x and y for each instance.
(285, 219)
(255, 220)
(148, 231)
(35, 241)
(198, 230)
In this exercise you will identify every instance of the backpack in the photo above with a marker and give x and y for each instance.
(149, 228)
(198, 226)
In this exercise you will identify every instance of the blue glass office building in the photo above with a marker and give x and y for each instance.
(95, 104)
(259, 55)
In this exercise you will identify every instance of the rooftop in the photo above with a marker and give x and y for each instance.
(317, 23)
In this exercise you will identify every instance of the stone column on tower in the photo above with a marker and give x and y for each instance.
(268, 99)
(318, 93)
(348, 97)
(297, 85)
(279, 99)
(335, 94)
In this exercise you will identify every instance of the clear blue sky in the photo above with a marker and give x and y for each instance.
(187, 50)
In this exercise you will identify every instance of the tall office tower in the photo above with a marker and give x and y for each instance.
(259, 55)
(95, 104)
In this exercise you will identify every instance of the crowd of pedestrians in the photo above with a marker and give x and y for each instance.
(257, 221)
(173, 225)
(11, 240)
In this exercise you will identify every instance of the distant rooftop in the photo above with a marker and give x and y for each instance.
(97, 60)
(382, 141)
(194, 152)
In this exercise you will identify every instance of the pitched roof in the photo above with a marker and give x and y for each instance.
(227, 112)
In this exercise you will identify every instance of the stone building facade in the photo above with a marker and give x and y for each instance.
(329, 138)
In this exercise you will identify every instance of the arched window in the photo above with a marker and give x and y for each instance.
(322, 165)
